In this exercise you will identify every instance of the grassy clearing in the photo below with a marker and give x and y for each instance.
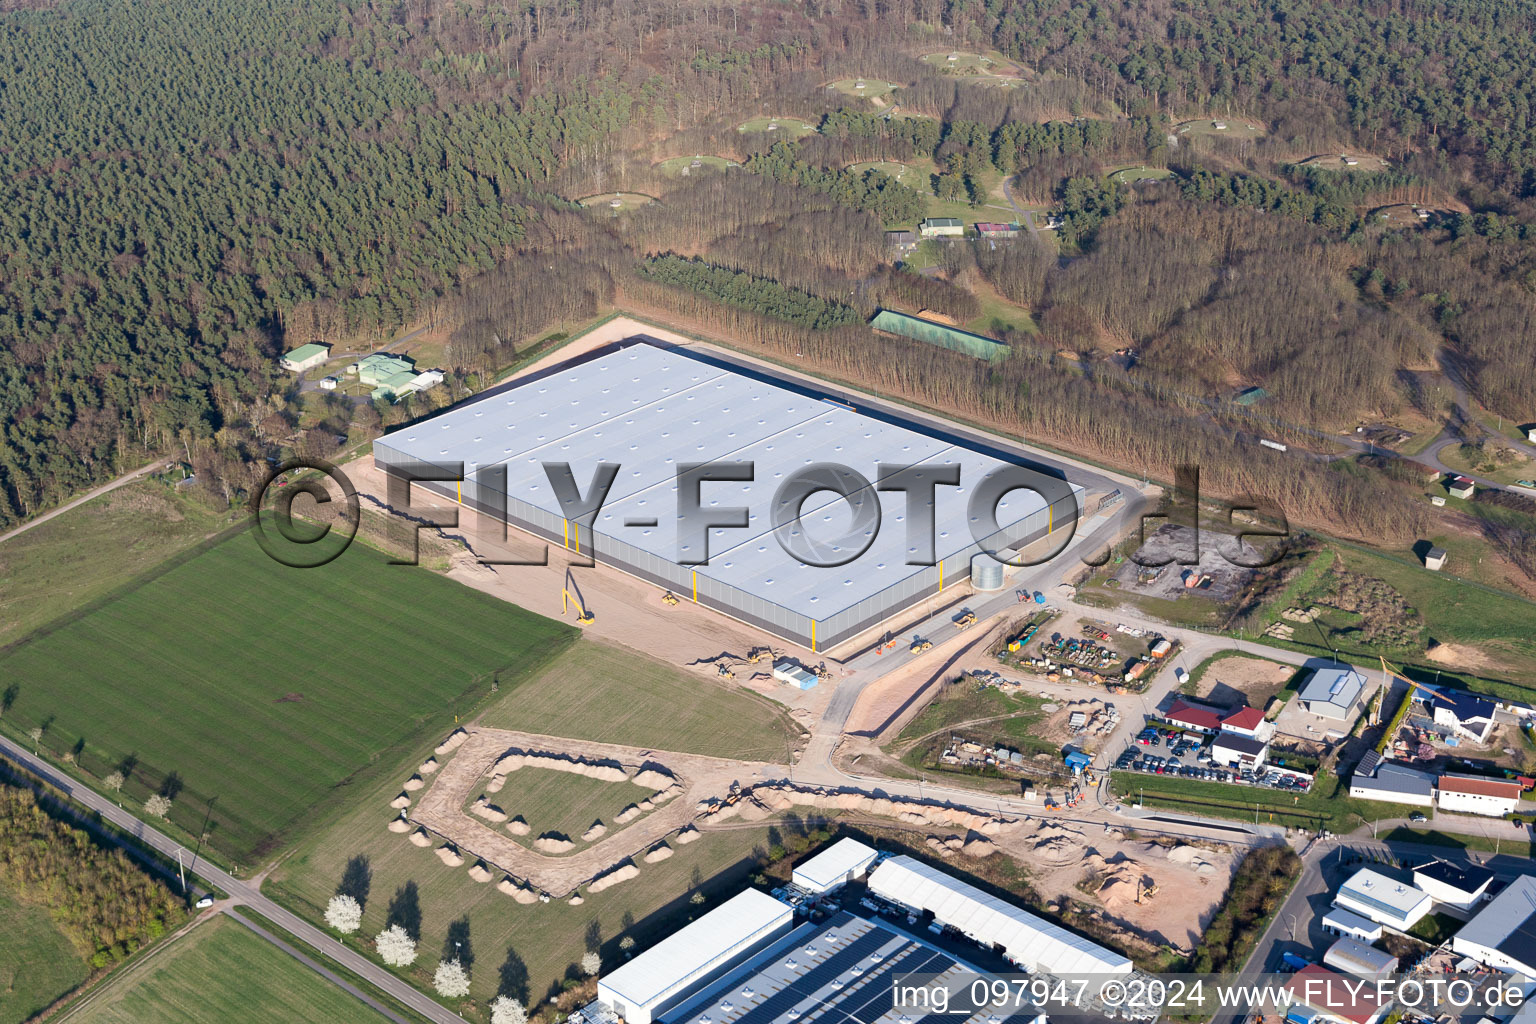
(37, 963)
(965, 63)
(1236, 128)
(624, 200)
(532, 947)
(222, 973)
(89, 551)
(908, 174)
(781, 127)
(872, 87)
(998, 314)
(1500, 626)
(1130, 175)
(612, 694)
(561, 802)
(267, 691)
(1328, 805)
(964, 701)
(1516, 845)
(679, 166)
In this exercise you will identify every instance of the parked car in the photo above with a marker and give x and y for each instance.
(1417, 816)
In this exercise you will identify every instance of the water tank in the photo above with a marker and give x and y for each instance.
(986, 573)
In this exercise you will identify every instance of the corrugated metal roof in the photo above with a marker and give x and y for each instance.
(1357, 958)
(650, 975)
(1032, 941)
(832, 865)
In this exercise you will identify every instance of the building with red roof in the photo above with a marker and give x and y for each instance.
(1329, 993)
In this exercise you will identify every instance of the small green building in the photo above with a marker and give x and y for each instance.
(942, 335)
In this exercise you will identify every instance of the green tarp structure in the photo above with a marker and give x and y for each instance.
(941, 335)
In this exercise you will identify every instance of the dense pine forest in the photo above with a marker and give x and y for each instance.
(193, 190)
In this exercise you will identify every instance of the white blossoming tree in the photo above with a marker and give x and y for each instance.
(344, 914)
(591, 963)
(506, 1010)
(451, 979)
(396, 947)
(157, 806)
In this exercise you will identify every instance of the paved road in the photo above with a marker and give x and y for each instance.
(106, 488)
(240, 892)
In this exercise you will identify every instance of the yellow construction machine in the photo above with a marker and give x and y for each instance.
(571, 594)
(669, 599)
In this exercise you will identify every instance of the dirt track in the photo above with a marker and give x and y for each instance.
(440, 808)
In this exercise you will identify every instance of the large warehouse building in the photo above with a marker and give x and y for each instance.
(652, 410)
(1032, 942)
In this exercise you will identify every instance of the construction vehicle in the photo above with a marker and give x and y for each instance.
(888, 642)
(822, 672)
(758, 654)
(725, 671)
(669, 599)
(919, 645)
(1144, 891)
(571, 594)
(965, 620)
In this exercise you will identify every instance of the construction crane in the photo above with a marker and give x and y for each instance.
(571, 594)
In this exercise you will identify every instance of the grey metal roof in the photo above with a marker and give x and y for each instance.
(1393, 780)
(1335, 687)
(650, 409)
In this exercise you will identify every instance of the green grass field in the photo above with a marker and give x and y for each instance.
(1327, 805)
(998, 314)
(37, 963)
(1128, 175)
(964, 63)
(544, 941)
(898, 170)
(964, 702)
(268, 691)
(89, 551)
(1501, 626)
(781, 127)
(615, 695)
(681, 166)
(872, 87)
(561, 802)
(626, 201)
(1236, 128)
(220, 972)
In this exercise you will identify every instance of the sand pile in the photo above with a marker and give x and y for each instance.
(401, 802)
(553, 842)
(413, 783)
(979, 846)
(661, 796)
(605, 770)
(594, 833)
(1058, 846)
(488, 811)
(448, 855)
(1192, 858)
(517, 826)
(420, 837)
(576, 899)
(627, 815)
(653, 778)
(687, 835)
(480, 872)
(428, 766)
(399, 825)
(453, 742)
(622, 873)
(770, 798)
(520, 893)
(661, 852)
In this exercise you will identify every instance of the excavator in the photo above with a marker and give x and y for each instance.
(759, 654)
(571, 594)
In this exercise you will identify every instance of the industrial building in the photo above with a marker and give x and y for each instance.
(1450, 886)
(1233, 750)
(305, 357)
(942, 227)
(841, 970)
(1332, 692)
(1318, 994)
(1029, 941)
(1339, 921)
(1477, 794)
(1503, 934)
(675, 967)
(652, 410)
(834, 867)
(1394, 783)
(1397, 905)
(1355, 957)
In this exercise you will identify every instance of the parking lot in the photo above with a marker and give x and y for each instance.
(1186, 755)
